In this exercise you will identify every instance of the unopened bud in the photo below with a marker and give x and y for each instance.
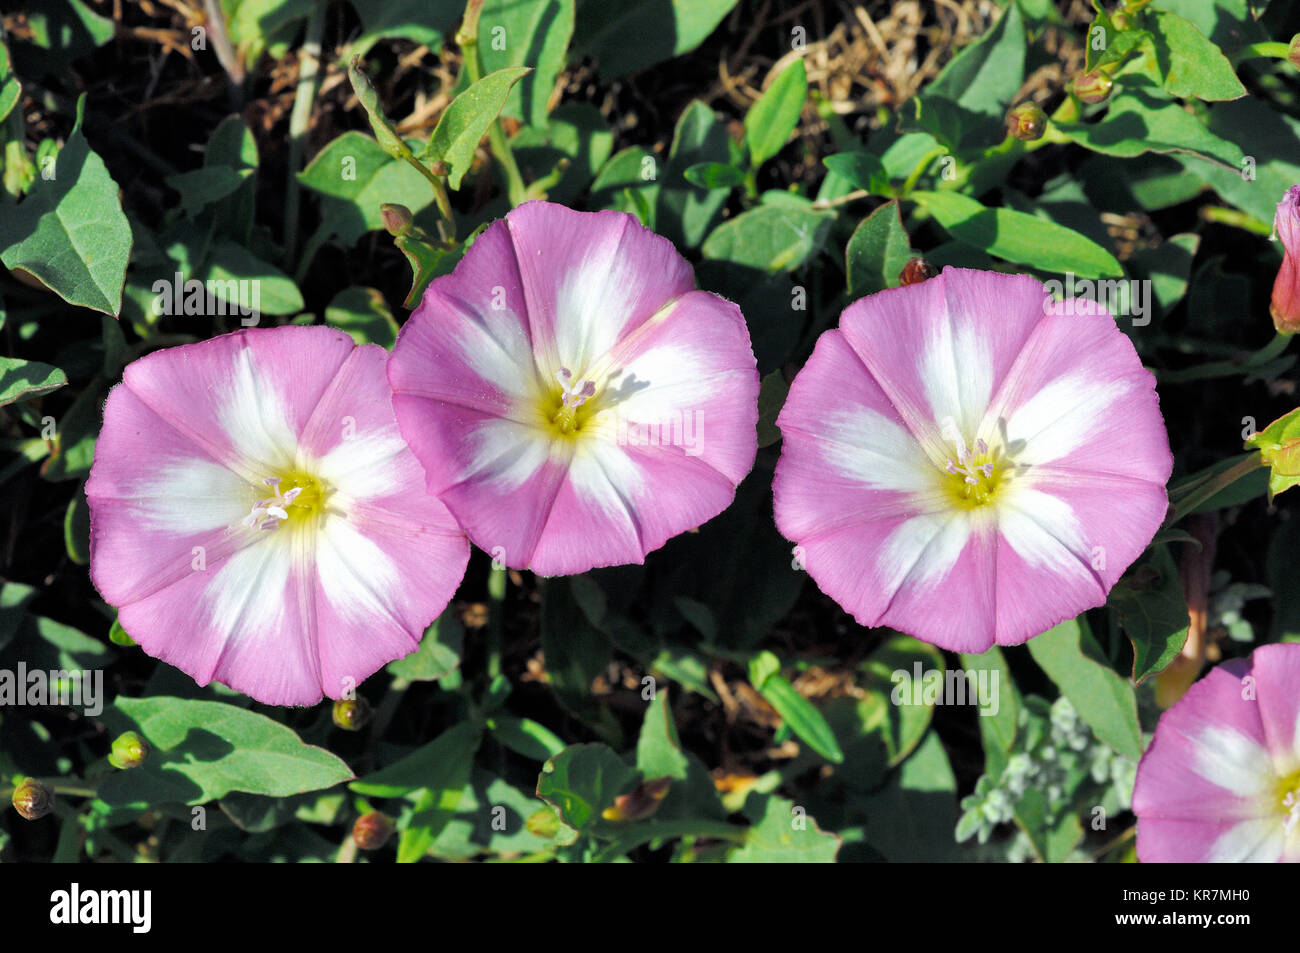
(543, 823)
(32, 799)
(351, 714)
(397, 218)
(916, 271)
(1026, 122)
(371, 831)
(129, 751)
(640, 803)
(1092, 87)
(1293, 51)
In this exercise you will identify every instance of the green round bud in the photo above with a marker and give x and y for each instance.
(1092, 87)
(1293, 51)
(1026, 122)
(351, 714)
(397, 218)
(32, 799)
(543, 823)
(129, 751)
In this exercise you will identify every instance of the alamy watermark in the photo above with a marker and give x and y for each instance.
(214, 297)
(952, 687)
(75, 689)
(683, 428)
(1119, 297)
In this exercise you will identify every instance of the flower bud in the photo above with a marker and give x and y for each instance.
(1293, 51)
(1092, 87)
(1279, 450)
(639, 803)
(351, 714)
(32, 799)
(129, 751)
(543, 823)
(1285, 306)
(397, 218)
(916, 271)
(371, 831)
(1026, 122)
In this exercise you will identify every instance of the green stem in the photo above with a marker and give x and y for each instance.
(921, 166)
(304, 101)
(496, 621)
(1235, 218)
(467, 40)
(1269, 352)
(1193, 497)
(1272, 50)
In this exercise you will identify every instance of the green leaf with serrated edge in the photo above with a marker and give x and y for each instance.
(203, 750)
(526, 33)
(770, 238)
(1103, 698)
(465, 122)
(438, 653)
(785, 834)
(771, 121)
(877, 252)
(23, 380)
(70, 232)
(603, 31)
(582, 781)
(998, 724)
(1152, 611)
(525, 737)
(1019, 237)
(426, 766)
(1192, 65)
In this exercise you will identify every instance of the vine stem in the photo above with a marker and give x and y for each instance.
(467, 40)
(304, 101)
(1270, 351)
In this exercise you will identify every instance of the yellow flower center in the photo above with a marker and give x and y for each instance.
(972, 475)
(1288, 796)
(569, 407)
(297, 497)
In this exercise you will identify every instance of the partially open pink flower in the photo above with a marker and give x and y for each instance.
(1285, 306)
(574, 400)
(1221, 779)
(970, 462)
(258, 520)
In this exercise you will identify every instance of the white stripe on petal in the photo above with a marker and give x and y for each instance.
(356, 576)
(957, 372)
(866, 446)
(604, 474)
(507, 453)
(593, 306)
(1260, 840)
(923, 549)
(1234, 762)
(1044, 531)
(246, 597)
(503, 358)
(254, 416)
(191, 495)
(1061, 417)
(359, 467)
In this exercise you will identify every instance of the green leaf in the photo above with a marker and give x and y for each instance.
(658, 749)
(480, 825)
(1052, 843)
(1152, 611)
(891, 673)
(203, 750)
(465, 122)
(785, 834)
(23, 380)
(425, 22)
(772, 120)
(70, 232)
(630, 175)
(1141, 119)
(877, 252)
(202, 187)
(1281, 567)
(862, 170)
(965, 104)
(76, 528)
(714, 175)
(912, 817)
(442, 768)
(997, 727)
(428, 766)
(582, 781)
(796, 711)
(772, 392)
(1192, 65)
(1019, 237)
(358, 176)
(1104, 699)
(526, 33)
(271, 290)
(574, 649)
(10, 89)
(576, 133)
(438, 654)
(626, 37)
(770, 238)
(686, 212)
(526, 737)
(14, 597)
(364, 314)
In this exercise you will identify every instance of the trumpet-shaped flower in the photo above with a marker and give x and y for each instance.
(574, 400)
(1220, 781)
(1285, 305)
(970, 462)
(258, 520)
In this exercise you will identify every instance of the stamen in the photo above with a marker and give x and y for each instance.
(573, 397)
(1292, 802)
(270, 512)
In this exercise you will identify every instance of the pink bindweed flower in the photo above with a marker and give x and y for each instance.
(1221, 778)
(258, 520)
(1285, 306)
(970, 462)
(574, 400)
